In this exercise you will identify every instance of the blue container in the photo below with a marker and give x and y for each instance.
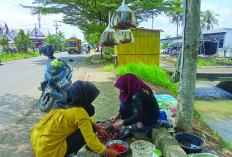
(190, 143)
(163, 116)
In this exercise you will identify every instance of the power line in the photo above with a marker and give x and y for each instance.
(10, 5)
(15, 6)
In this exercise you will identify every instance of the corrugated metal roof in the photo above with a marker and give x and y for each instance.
(221, 30)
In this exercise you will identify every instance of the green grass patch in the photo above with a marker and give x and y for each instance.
(224, 60)
(212, 61)
(207, 62)
(108, 68)
(4, 56)
(57, 52)
(150, 73)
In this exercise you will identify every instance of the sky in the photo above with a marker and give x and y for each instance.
(17, 17)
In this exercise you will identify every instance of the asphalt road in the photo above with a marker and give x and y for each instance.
(19, 94)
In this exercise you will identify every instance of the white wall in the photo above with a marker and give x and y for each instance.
(228, 40)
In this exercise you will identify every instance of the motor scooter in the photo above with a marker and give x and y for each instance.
(54, 83)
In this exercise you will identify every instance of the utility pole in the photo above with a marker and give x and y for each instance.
(186, 90)
(39, 18)
(152, 20)
(35, 37)
(35, 32)
(56, 26)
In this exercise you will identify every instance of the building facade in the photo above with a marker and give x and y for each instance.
(36, 35)
(221, 37)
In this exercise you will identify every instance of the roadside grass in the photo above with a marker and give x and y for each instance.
(206, 62)
(4, 56)
(106, 61)
(212, 61)
(149, 73)
(57, 51)
(222, 60)
(108, 68)
(211, 131)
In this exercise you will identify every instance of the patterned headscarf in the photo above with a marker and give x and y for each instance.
(129, 84)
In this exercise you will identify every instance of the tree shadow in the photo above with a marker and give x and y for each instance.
(18, 116)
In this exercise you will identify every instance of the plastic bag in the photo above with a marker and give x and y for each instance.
(123, 18)
(109, 37)
(125, 36)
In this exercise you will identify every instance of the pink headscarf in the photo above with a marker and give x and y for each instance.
(130, 84)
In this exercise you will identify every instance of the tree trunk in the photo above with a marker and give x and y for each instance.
(186, 91)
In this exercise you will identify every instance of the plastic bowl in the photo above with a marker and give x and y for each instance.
(118, 142)
(190, 143)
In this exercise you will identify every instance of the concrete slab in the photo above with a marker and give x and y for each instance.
(165, 142)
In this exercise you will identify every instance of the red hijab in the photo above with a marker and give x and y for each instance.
(129, 84)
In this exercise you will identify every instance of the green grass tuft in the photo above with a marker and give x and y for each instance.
(150, 73)
(4, 56)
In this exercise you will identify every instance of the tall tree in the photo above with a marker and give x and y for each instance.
(91, 16)
(186, 91)
(175, 18)
(52, 40)
(61, 39)
(22, 41)
(208, 20)
(3, 42)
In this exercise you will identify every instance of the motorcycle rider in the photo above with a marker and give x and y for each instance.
(48, 50)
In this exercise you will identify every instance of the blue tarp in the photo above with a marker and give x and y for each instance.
(212, 93)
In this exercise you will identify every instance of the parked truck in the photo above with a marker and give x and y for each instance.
(74, 46)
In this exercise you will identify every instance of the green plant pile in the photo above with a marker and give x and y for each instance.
(150, 73)
(4, 56)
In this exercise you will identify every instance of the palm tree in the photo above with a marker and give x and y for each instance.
(208, 20)
(176, 18)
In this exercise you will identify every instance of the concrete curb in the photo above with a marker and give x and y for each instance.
(167, 144)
